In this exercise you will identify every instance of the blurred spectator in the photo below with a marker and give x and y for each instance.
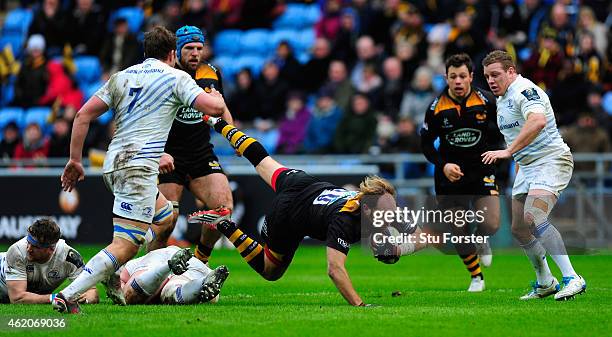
(586, 136)
(409, 29)
(587, 61)
(365, 15)
(244, 103)
(559, 26)
(196, 14)
(385, 132)
(340, 85)
(594, 103)
(437, 38)
(405, 52)
(344, 45)
(225, 14)
(61, 88)
(587, 22)
(315, 70)
(33, 76)
(329, 23)
(569, 94)
(533, 14)
(545, 62)
(507, 18)
(417, 99)
(287, 63)
(407, 139)
(436, 11)
(272, 91)
(371, 83)
(292, 126)
(169, 17)
(10, 139)
(464, 37)
(120, 50)
(323, 123)
(52, 23)
(480, 15)
(258, 13)
(33, 145)
(59, 144)
(87, 27)
(357, 129)
(393, 87)
(382, 21)
(366, 53)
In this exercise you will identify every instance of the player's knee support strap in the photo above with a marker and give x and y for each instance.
(537, 209)
(163, 214)
(131, 233)
(175, 206)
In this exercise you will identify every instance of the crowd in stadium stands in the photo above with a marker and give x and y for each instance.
(327, 76)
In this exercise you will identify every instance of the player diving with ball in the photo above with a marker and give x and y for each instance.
(303, 206)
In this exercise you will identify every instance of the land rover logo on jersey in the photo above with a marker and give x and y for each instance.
(188, 115)
(464, 137)
(53, 274)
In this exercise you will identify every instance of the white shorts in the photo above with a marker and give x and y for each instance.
(197, 270)
(135, 191)
(552, 175)
(152, 258)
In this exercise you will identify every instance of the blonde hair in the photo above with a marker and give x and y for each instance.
(499, 56)
(375, 185)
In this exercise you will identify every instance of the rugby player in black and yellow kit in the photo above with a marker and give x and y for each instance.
(193, 164)
(463, 117)
(303, 206)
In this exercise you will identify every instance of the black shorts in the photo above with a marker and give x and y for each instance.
(281, 232)
(187, 168)
(476, 183)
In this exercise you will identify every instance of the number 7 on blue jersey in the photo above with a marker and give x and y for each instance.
(133, 92)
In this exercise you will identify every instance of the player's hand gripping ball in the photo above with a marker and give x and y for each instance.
(385, 251)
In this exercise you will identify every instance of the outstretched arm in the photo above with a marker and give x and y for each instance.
(210, 103)
(17, 291)
(337, 272)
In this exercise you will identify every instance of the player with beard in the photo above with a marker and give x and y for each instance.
(191, 162)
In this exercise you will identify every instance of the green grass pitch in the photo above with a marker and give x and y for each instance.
(305, 302)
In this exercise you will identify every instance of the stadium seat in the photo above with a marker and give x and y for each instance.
(133, 15)
(18, 21)
(88, 69)
(106, 117)
(227, 42)
(89, 89)
(11, 114)
(227, 66)
(290, 35)
(294, 17)
(253, 62)
(312, 14)
(607, 102)
(38, 115)
(307, 39)
(16, 41)
(255, 41)
(7, 92)
(303, 57)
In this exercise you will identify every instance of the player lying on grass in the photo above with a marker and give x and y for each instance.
(36, 265)
(168, 275)
(303, 206)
